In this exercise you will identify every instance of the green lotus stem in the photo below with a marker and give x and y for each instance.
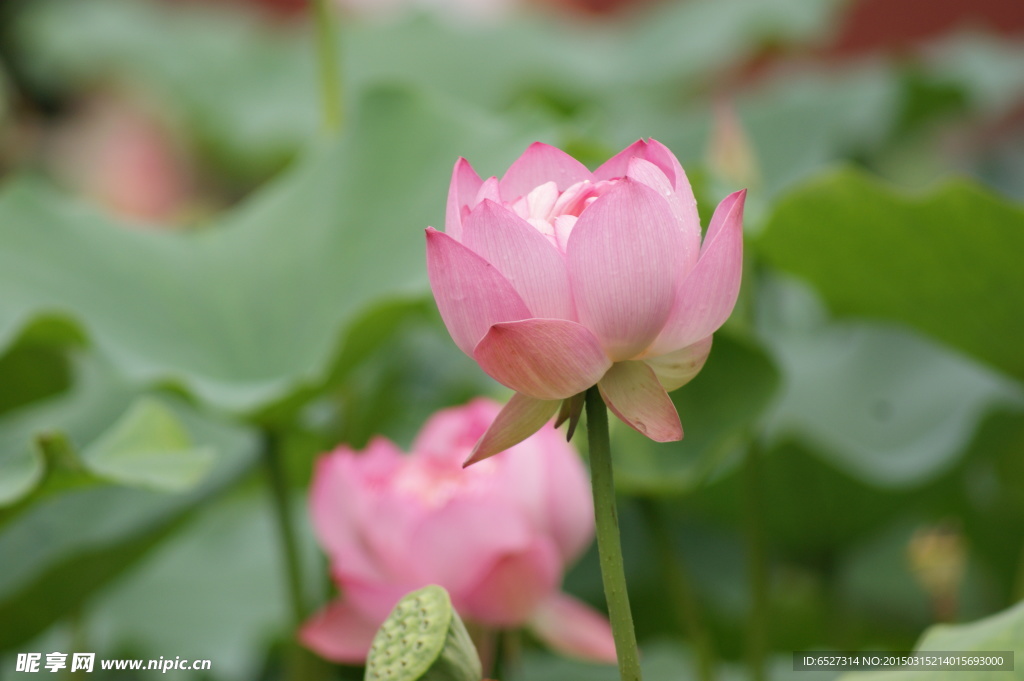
(327, 60)
(302, 666)
(679, 588)
(757, 625)
(609, 543)
(510, 654)
(1019, 586)
(488, 646)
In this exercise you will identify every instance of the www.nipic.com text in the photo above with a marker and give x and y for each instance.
(86, 662)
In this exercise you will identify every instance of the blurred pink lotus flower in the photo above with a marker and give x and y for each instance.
(498, 536)
(122, 156)
(555, 279)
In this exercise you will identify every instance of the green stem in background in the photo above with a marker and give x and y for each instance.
(302, 666)
(487, 642)
(511, 654)
(753, 506)
(680, 591)
(609, 544)
(79, 635)
(1018, 591)
(757, 625)
(281, 496)
(499, 653)
(78, 638)
(327, 60)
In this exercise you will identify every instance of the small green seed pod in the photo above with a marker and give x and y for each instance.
(423, 639)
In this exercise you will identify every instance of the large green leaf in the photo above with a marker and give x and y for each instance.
(245, 311)
(249, 92)
(31, 371)
(149, 447)
(798, 125)
(880, 403)
(1000, 632)
(569, 65)
(217, 585)
(489, 63)
(990, 70)
(407, 377)
(245, 89)
(947, 263)
(840, 541)
(78, 417)
(62, 547)
(101, 429)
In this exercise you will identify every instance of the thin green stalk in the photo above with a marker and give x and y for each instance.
(78, 638)
(301, 665)
(1018, 592)
(510, 653)
(609, 543)
(281, 496)
(757, 625)
(680, 590)
(487, 642)
(327, 59)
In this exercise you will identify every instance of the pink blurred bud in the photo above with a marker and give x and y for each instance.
(124, 158)
(730, 153)
(497, 536)
(555, 279)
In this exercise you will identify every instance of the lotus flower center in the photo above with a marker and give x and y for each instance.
(554, 213)
(432, 483)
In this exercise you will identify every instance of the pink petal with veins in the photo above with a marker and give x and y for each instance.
(632, 391)
(548, 359)
(541, 163)
(527, 260)
(471, 294)
(623, 256)
(707, 295)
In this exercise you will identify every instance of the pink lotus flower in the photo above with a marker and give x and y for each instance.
(555, 279)
(498, 536)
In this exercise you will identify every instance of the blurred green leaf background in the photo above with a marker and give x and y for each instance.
(192, 272)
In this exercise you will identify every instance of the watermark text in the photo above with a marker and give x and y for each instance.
(87, 662)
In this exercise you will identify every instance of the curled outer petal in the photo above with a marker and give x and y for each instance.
(549, 359)
(657, 153)
(634, 394)
(464, 187)
(471, 294)
(618, 165)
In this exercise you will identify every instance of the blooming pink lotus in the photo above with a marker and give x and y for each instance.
(497, 536)
(555, 279)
